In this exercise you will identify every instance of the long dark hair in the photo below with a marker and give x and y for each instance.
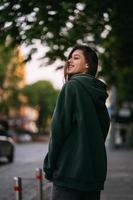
(90, 57)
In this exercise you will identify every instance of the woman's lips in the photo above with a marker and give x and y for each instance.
(71, 66)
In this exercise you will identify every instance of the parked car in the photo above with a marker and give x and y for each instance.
(7, 146)
(24, 138)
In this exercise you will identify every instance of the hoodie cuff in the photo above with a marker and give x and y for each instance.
(48, 176)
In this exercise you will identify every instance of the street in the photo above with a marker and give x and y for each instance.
(28, 157)
(118, 186)
(119, 183)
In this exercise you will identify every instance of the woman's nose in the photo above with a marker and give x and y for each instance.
(70, 60)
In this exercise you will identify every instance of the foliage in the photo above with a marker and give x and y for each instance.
(117, 60)
(56, 24)
(41, 96)
(105, 25)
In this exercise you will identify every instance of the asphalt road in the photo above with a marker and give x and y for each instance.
(119, 183)
(28, 157)
(118, 186)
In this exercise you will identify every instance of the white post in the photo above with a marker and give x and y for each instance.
(39, 183)
(18, 188)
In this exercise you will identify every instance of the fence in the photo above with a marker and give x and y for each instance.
(36, 188)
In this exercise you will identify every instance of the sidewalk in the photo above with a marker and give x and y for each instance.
(119, 183)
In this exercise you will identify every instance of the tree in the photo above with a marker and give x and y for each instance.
(41, 96)
(117, 59)
(105, 25)
(56, 24)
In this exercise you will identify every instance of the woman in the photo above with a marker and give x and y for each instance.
(76, 160)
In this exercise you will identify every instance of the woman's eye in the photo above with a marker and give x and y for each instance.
(76, 58)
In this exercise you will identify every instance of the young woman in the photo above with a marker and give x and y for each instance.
(76, 160)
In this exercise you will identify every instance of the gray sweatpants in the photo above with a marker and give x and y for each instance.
(62, 193)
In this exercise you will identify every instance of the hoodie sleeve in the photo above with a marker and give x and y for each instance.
(60, 128)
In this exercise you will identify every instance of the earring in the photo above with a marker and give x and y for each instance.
(86, 66)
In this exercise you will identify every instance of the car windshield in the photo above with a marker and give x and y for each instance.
(3, 131)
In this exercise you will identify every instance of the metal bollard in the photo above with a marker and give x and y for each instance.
(39, 180)
(18, 188)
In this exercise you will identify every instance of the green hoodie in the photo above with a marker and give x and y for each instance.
(77, 157)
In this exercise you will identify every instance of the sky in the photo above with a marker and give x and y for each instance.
(34, 72)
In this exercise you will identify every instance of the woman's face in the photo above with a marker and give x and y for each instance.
(77, 63)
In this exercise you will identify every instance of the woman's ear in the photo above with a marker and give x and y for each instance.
(86, 66)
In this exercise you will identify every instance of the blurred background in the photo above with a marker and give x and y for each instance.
(35, 39)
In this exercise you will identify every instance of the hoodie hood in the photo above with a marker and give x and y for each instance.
(96, 88)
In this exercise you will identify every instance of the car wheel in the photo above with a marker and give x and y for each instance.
(11, 157)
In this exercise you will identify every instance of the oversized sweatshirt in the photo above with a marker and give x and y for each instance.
(76, 156)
